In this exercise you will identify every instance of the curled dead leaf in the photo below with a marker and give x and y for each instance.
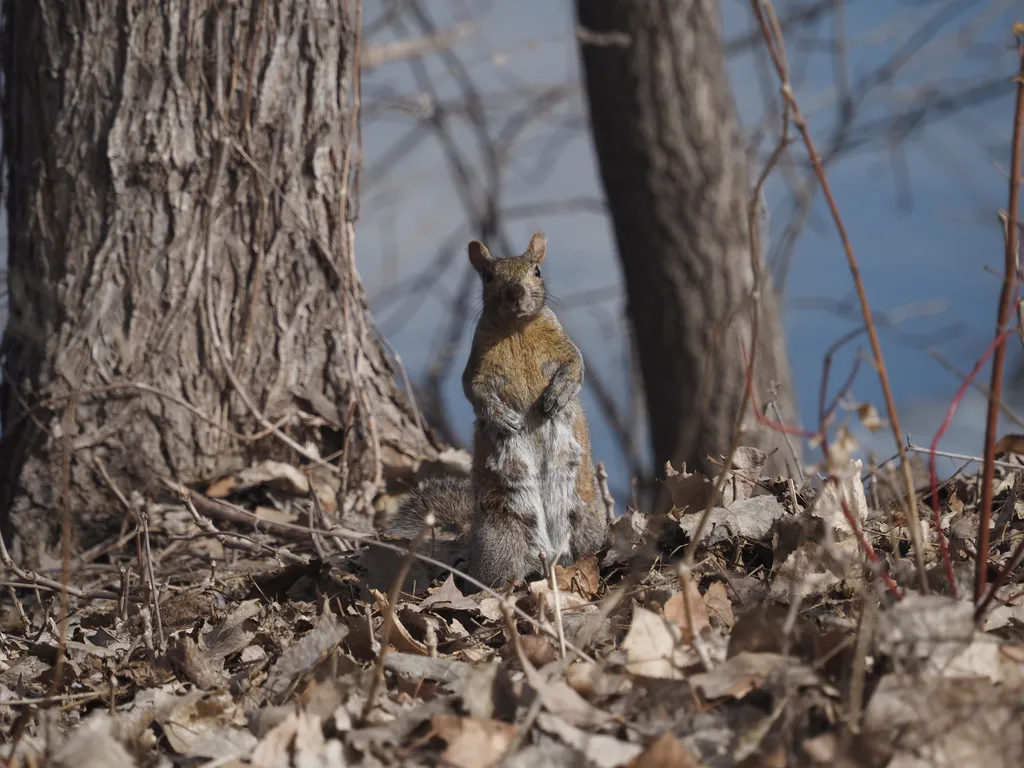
(472, 742)
(582, 578)
(719, 606)
(869, 417)
(689, 490)
(675, 611)
(654, 647)
(747, 466)
(665, 752)
(276, 475)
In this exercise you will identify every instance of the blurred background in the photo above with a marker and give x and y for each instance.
(909, 102)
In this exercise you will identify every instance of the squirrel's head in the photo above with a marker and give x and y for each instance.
(513, 288)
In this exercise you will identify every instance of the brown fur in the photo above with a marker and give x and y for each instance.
(523, 371)
(511, 359)
(533, 483)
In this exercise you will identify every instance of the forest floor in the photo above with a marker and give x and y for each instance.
(777, 642)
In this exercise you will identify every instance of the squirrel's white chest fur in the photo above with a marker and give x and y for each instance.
(541, 463)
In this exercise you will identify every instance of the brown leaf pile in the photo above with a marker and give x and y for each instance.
(777, 646)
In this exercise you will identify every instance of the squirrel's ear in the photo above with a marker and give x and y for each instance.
(538, 245)
(479, 256)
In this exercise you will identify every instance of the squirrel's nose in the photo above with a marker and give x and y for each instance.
(516, 292)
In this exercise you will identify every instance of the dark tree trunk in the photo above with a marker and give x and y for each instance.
(674, 172)
(179, 175)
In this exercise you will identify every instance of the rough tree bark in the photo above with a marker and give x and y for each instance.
(180, 218)
(674, 172)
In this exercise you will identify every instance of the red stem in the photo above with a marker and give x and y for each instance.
(933, 474)
(1002, 320)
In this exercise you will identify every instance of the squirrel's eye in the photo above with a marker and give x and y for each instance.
(536, 271)
(488, 276)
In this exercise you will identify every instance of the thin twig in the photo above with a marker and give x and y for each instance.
(776, 49)
(389, 614)
(549, 569)
(1009, 287)
(342, 533)
(18, 607)
(237, 540)
(945, 363)
(959, 456)
(418, 47)
(147, 630)
(933, 473)
(1004, 575)
(865, 634)
(151, 578)
(685, 583)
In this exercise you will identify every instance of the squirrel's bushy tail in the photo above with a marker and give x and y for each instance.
(449, 497)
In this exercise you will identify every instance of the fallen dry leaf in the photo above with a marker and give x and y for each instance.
(630, 533)
(689, 490)
(273, 474)
(274, 748)
(852, 492)
(595, 681)
(486, 692)
(738, 676)
(654, 647)
(762, 628)
(274, 515)
(946, 723)
(930, 630)
(538, 649)
(400, 637)
(665, 752)
(747, 464)
(490, 608)
(808, 570)
(582, 578)
(310, 650)
(600, 750)
(326, 495)
(448, 596)
(822, 749)
(719, 606)
(221, 488)
(558, 697)
(748, 519)
(207, 728)
(235, 631)
(472, 742)
(540, 590)
(92, 745)
(870, 417)
(675, 611)
(203, 670)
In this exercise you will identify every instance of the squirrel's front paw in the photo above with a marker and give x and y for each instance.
(558, 395)
(503, 417)
(508, 420)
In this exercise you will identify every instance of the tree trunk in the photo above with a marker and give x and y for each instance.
(674, 172)
(180, 263)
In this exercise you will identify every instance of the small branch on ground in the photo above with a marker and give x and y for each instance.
(389, 614)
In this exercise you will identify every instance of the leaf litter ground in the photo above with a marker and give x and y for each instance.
(779, 646)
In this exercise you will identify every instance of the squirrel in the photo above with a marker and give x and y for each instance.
(532, 488)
